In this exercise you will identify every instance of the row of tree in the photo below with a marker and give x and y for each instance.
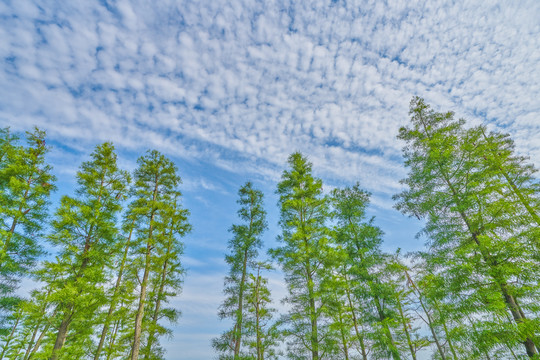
(116, 263)
(472, 294)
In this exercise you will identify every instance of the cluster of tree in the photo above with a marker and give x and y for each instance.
(116, 263)
(473, 293)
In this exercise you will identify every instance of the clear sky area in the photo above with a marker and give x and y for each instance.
(228, 89)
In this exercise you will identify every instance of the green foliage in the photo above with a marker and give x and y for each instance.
(159, 221)
(26, 183)
(302, 256)
(243, 246)
(478, 227)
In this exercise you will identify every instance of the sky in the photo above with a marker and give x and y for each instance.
(228, 89)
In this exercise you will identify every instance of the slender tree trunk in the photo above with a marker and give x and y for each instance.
(155, 317)
(239, 313)
(428, 316)
(392, 346)
(140, 310)
(257, 316)
(355, 322)
(62, 333)
(314, 338)
(113, 339)
(405, 329)
(342, 333)
(10, 337)
(114, 299)
(30, 354)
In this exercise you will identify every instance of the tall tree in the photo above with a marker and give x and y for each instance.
(168, 277)
(244, 246)
(476, 231)
(369, 298)
(302, 256)
(84, 229)
(156, 199)
(262, 334)
(26, 183)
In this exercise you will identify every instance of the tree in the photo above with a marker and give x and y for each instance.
(84, 229)
(159, 220)
(168, 278)
(244, 246)
(263, 335)
(26, 183)
(305, 245)
(367, 294)
(478, 233)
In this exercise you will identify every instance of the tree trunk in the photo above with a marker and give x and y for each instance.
(429, 320)
(404, 323)
(62, 333)
(155, 317)
(140, 310)
(114, 299)
(392, 346)
(10, 337)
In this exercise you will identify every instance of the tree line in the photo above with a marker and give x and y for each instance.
(472, 293)
(104, 294)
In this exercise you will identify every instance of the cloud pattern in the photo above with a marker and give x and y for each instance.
(249, 81)
(241, 84)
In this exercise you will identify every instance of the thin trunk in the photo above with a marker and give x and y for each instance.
(38, 342)
(10, 337)
(239, 313)
(392, 345)
(314, 338)
(355, 322)
(113, 339)
(428, 315)
(140, 310)
(405, 329)
(62, 333)
(114, 299)
(342, 333)
(142, 299)
(257, 317)
(155, 317)
(32, 339)
(30, 354)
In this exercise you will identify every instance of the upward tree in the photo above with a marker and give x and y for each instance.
(84, 229)
(369, 294)
(26, 183)
(244, 246)
(476, 230)
(159, 220)
(303, 253)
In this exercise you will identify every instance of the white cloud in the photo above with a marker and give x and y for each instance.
(243, 84)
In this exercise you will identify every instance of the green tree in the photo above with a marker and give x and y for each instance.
(244, 246)
(26, 183)
(168, 277)
(159, 221)
(262, 333)
(478, 234)
(302, 256)
(85, 232)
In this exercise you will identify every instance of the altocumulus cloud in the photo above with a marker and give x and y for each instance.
(249, 82)
(241, 84)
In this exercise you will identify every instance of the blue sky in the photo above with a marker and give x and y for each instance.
(228, 89)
